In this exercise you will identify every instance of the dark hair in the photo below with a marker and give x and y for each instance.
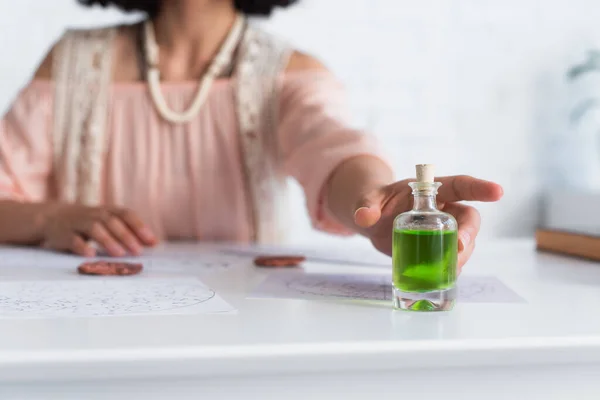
(152, 7)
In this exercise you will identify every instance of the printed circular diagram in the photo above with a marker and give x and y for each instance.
(188, 261)
(347, 287)
(475, 290)
(98, 298)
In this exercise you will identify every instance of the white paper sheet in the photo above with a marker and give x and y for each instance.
(355, 255)
(298, 285)
(92, 297)
(169, 258)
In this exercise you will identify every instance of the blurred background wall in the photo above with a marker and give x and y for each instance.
(475, 86)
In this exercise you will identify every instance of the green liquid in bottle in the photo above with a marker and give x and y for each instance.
(424, 261)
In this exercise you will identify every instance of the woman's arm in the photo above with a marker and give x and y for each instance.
(25, 164)
(350, 183)
(316, 140)
(349, 188)
(22, 223)
(68, 227)
(26, 215)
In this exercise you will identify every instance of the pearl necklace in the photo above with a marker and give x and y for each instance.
(218, 64)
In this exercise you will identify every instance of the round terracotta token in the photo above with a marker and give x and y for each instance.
(278, 261)
(109, 268)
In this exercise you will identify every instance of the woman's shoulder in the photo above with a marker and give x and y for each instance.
(45, 69)
(308, 80)
(305, 72)
(302, 62)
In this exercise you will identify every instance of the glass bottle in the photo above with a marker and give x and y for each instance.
(425, 251)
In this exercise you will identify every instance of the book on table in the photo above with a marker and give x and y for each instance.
(571, 225)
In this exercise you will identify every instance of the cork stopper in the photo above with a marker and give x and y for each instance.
(425, 173)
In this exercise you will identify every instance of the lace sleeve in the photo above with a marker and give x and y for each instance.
(82, 73)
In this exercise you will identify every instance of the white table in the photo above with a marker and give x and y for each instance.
(548, 348)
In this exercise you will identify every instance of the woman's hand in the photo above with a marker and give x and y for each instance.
(375, 212)
(118, 231)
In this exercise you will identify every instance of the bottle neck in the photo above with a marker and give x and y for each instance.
(425, 202)
(425, 194)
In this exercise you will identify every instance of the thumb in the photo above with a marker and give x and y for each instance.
(368, 210)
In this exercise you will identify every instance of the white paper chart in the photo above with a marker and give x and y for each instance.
(168, 258)
(108, 297)
(356, 256)
(298, 285)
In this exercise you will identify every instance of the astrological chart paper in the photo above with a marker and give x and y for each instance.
(102, 297)
(298, 285)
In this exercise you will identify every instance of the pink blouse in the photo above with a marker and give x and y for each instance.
(186, 181)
